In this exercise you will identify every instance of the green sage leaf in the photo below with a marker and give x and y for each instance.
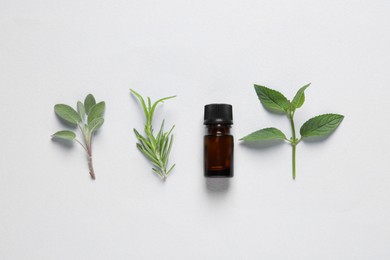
(272, 99)
(66, 135)
(95, 124)
(265, 134)
(89, 102)
(299, 98)
(67, 113)
(321, 125)
(81, 110)
(96, 111)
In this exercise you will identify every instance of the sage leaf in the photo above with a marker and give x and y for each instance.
(95, 121)
(89, 102)
(272, 99)
(67, 113)
(265, 134)
(81, 110)
(95, 124)
(66, 135)
(321, 125)
(299, 98)
(96, 111)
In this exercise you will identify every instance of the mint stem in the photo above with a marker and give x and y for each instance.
(294, 143)
(294, 146)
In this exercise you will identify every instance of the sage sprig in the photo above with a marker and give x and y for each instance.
(88, 118)
(155, 147)
(275, 101)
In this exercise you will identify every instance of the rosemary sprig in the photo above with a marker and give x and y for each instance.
(155, 148)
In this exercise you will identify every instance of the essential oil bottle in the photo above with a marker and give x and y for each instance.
(218, 142)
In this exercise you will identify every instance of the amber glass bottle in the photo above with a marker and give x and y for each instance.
(218, 142)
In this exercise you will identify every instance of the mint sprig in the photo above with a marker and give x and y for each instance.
(155, 147)
(88, 118)
(275, 101)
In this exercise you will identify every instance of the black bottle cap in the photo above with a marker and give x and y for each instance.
(218, 114)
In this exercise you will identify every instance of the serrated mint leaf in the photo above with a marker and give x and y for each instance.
(66, 135)
(96, 111)
(67, 113)
(265, 134)
(95, 124)
(81, 110)
(89, 102)
(299, 98)
(272, 99)
(321, 125)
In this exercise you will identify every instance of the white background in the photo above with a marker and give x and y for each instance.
(202, 51)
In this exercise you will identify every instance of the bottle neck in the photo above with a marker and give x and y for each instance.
(218, 129)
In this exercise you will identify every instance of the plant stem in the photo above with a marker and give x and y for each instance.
(90, 162)
(294, 146)
(90, 165)
(294, 143)
(88, 149)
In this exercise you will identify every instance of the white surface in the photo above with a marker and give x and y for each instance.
(203, 51)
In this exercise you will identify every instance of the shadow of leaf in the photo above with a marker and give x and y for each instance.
(65, 143)
(261, 144)
(317, 139)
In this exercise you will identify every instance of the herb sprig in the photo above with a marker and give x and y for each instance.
(155, 147)
(275, 101)
(88, 118)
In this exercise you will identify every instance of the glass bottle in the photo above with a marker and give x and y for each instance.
(218, 142)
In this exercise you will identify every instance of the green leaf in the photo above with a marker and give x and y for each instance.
(95, 124)
(81, 110)
(272, 99)
(265, 134)
(299, 98)
(89, 102)
(155, 147)
(142, 101)
(66, 135)
(67, 113)
(96, 111)
(321, 125)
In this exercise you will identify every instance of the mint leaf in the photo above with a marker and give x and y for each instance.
(96, 111)
(321, 125)
(299, 98)
(265, 134)
(89, 102)
(272, 99)
(66, 135)
(317, 126)
(67, 113)
(95, 124)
